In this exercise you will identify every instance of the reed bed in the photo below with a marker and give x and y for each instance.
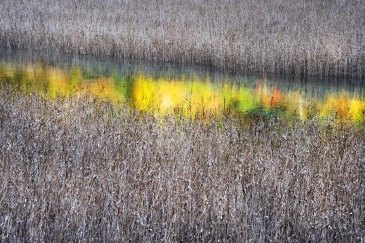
(79, 169)
(322, 38)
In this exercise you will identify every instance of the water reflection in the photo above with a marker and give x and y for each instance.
(193, 95)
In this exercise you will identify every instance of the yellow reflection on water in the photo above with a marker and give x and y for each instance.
(194, 96)
(188, 97)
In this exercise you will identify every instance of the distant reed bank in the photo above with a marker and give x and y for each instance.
(321, 38)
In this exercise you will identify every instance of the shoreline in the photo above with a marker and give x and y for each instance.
(58, 56)
(182, 91)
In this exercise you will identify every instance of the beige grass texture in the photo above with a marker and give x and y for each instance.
(77, 169)
(302, 37)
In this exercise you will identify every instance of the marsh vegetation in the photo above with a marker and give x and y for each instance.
(103, 154)
(79, 168)
(322, 38)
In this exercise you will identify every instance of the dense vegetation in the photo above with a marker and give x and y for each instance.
(325, 38)
(78, 168)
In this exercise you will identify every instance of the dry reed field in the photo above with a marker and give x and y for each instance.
(78, 169)
(315, 37)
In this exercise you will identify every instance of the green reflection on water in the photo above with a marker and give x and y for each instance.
(193, 95)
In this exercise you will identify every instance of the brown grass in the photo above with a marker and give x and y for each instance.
(80, 169)
(325, 38)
